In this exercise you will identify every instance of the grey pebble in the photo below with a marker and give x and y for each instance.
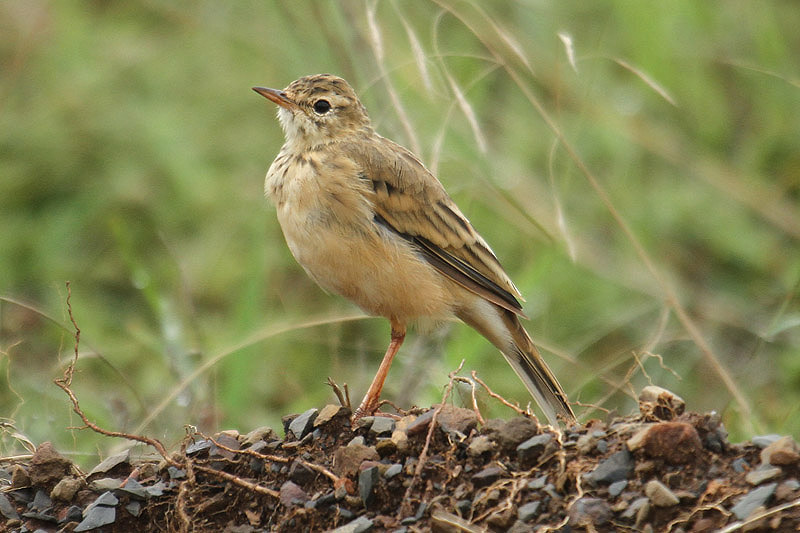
(529, 510)
(97, 516)
(134, 488)
(7, 509)
(134, 508)
(762, 441)
(393, 471)
(616, 468)
(762, 474)
(110, 462)
(739, 465)
(367, 479)
(616, 488)
(531, 449)
(538, 483)
(304, 423)
(382, 425)
(753, 499)
(359, 525)
(588, 511)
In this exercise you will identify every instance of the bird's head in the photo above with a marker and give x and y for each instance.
(318, 109)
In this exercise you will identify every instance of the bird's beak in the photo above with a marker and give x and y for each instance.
(277, 96)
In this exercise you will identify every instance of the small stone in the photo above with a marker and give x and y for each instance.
(615, 468)
(715, 436)
(19, 477)
(134, 489)
(616, 488)
(357, 441)
(529, 510)
(65, 489)
(502, 519)
(739, 465)
(156, 489)
(538, 483)
(7, 509)
(361, 524)
(385, 447)
(588, 511)
(367, 480)
(261, 434)
(74, 514)
(41, 502)
(664, 404)
(292, 495)
(420, 423)
(638, 439)
(786, 490)
(227, 440)
(400, 439)
(782, 452)
(516, 431)
(198, 446)
(762, 474)
(753, 499)
(454, 419)
(110, 462)
(479, 445)
(134, 508)
(674, 442)
(487, 476)
(300, 473)
(107, 498)
(105, 484)
(47, 465)
(97, 516)
(328, 413)
(176, 473)
(346, 460)
(637, 510)
(303, 424)
(382, 425)
(660, 494)
(602, 446)
(530, 450)
(762, 441)
(393, 470)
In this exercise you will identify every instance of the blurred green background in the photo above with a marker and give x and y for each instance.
(635, 165)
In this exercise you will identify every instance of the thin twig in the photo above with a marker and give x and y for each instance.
(498, 397)
(64, 384)
(236, 480)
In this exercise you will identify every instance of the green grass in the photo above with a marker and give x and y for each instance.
(643, 195)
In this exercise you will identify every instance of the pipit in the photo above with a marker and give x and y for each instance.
(367, 220)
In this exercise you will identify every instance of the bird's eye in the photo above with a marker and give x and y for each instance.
(322, 106)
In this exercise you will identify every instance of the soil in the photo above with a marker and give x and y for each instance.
(441, 469)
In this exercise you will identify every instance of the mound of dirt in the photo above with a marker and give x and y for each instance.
(440, 469)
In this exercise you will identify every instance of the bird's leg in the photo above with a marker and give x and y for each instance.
(370, 402)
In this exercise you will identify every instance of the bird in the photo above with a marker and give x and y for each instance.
(368, 221)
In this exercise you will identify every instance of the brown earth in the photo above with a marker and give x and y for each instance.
(441, 469)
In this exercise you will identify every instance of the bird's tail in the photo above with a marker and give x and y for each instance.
(503, 328)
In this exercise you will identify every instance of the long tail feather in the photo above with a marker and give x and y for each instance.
(503, 328)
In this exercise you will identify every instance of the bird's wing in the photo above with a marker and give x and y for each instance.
(410, 201)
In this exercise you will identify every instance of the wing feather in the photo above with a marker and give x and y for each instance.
(410, 201)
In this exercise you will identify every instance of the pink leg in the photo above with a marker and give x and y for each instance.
(370, 402)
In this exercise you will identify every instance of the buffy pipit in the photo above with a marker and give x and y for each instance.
(367, 220)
